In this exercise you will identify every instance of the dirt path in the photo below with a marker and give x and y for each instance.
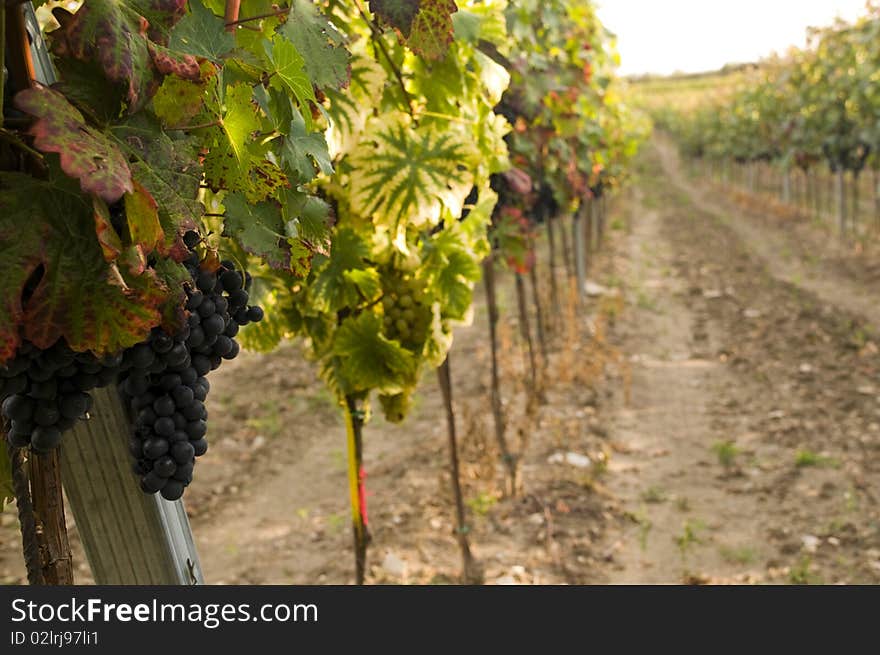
(750, 449)
(812, 259)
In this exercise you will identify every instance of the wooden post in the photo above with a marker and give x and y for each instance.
(580, 259)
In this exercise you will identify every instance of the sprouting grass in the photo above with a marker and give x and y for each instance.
(653, 495)
(689, 537)
(806, 457)
(726, 452)
(738, 554)
(801, 574)
(682, 504)
(481, 503)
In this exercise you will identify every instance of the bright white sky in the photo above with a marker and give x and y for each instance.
(697, 35)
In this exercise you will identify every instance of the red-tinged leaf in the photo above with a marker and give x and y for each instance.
(432, 29)
(86, 154)
(142, 216)
(169, 62)
(20, 257)
(425, 25)
(113, 35)
(167, 169)
(178, 101)
(133, 260)
(162, 15)
(399, 14)
(108, 237)
(60, 284)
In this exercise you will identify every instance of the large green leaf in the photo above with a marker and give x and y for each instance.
(304, 152)
(332, 289)
(258, 227)
(202, 33)
(321, 45)
(406, 176)
(365, 360)
(86, 154)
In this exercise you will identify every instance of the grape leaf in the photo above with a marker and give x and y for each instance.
(321, 45)
(114, 36)
(168, 62)
(332, 289)
(86, 154)
(169, 172)
(287, 68)
(202, 33)
(142, 217)
(307, 218)
(425, 25)
(177, 101)
(236, 162)
(259, 228)
(406, 175)
(162, 15)
(108, 237)
(365, 359)
(304, 151)
(397, 13)
(77, 294)
(432, 30)
(20, 255)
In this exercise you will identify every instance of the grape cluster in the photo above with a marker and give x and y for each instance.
(405, 318)
(44, 392)
(165, 383)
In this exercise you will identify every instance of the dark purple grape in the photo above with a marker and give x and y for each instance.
(238, 299)
(161, 343)
(18, 408)
(165, 466)
(182, 452)
(173, 490)
(169, 381)
(232, 281)
(163, 406)
(189, 376)
(232, 354)
(142, 356)
(201, 364)
(200, 446)
(255, 314)
(153, 482)
(213, 325)
(155, 447)
(183, 396)
(197, 429)
(206, 281)
(44, 439)
(207, 308)
(164, 427)
(195, 300)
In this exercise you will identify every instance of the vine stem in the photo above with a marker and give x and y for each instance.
(471, 570)
(525, 331)
(507, 456)
(231, 15)
(26, 519)
(354, 424)
(2, 59)
(377, 39)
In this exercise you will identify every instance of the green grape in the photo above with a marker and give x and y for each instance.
(408, 315)
(387, 302)
(405, 301)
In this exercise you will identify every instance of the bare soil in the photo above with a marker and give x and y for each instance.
(727, 398)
